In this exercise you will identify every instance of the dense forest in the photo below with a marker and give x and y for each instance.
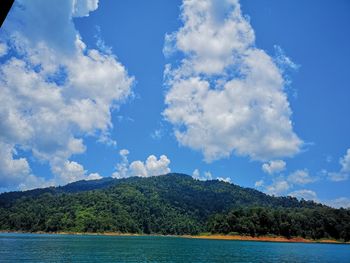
(168, 204)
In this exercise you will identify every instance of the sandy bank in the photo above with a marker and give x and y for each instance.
(265, 239)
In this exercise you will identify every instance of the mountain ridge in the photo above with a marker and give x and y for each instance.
(105, 182)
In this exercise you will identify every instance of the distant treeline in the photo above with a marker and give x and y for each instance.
(316, 223)
(171, 204)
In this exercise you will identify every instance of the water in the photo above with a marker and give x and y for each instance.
(71, 248)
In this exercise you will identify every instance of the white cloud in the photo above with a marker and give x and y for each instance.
(300, 177)
(212, 32)
(278, 187)
(151, 167)
(284, 61)
(224, 179)
(93, 176)
(339, 202)
(70, 171)
(124, 153)
(138, 168)
(54, 93)
(3, 49)
(344, 172)
(197, 175)
(156, 166)
(84, 7)
(208, 175)
(226, 95)
(305, 194)
(31, 181)
(345, 162)
(13, 170)
(15, 173)
(281, 184)
(343, 202)
(122, 168)
(337, 177)
(275, 166)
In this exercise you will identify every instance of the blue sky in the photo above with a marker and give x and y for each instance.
(251, 92)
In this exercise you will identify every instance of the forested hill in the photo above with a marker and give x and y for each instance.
(186, 188)
(168, 204)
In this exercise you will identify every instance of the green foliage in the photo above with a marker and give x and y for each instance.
(171, 204)
(313, 223)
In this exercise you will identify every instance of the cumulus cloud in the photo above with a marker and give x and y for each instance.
(281, 184)
(202, 177)
(196, 174)
(226, 95)
(70, 171)
(54, 93)
(151, 167)
(300, 177)
(84, 7)
(344, 172)
(304, 194)
(285, 185)
(275, 166)
(224, 179)
(15, 172)
(278, 187)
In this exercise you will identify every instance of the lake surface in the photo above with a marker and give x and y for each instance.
(73, 248)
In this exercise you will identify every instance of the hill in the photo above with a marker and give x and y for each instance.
(168, 204)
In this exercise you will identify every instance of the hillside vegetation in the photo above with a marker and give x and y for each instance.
(168, 204)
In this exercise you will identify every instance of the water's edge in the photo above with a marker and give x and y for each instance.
(278, 239)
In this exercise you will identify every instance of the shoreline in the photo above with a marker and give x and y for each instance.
(278, 239)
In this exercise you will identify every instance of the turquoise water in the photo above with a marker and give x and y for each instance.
(69, 248)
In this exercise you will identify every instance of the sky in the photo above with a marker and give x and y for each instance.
(254, 93)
